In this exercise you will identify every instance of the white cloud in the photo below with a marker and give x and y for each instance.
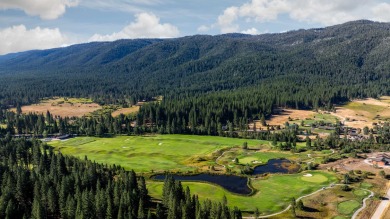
(18, 38)
(46, 9)
(251, 31)
(227, 19)
(382, 12)
(203, 28)
(146, 25)
(325, 12)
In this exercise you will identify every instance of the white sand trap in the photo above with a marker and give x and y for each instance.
(160, 143)
(308, 175)
(125, 147)
(256, 161)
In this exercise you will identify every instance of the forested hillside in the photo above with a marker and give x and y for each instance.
(221, 77)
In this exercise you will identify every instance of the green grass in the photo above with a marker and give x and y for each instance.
(326, 151)
(372, 109)
(262, 157)
(274, 193)
(147, 153)
(348, 207)
(366, 185)
(339, 217)
(326, 117)
(360, 192)
(316, 178)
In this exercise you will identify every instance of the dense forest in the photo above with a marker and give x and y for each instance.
(38, 183)
(331, 64)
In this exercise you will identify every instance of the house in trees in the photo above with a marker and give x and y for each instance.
(380, 160)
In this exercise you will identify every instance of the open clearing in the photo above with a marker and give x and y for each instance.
(361, 113)
(125, 111)
(151, 153)
(274, 192)
(293, 116)
(357, 114)
(290, 114)
(286, 115)
(63, 107)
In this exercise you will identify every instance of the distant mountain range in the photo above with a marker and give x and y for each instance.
(354, 54)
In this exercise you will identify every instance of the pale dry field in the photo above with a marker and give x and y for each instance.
(125, 111)
(361, 113)
(70, 108)
(283, 117)
(356, 114)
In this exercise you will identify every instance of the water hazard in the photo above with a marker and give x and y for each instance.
(276, 166)
(235, 184)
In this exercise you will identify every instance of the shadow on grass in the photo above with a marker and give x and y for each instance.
(309, 209)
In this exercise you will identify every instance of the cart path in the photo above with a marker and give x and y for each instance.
(382, 206)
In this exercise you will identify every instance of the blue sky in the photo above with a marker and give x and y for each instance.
(41, 24)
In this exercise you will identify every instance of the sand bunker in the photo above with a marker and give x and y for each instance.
(308, 175)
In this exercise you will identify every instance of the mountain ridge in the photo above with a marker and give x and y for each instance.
(347, 58)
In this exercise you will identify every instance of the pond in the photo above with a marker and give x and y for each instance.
(234, 184)
(276, 166)
(237, 184)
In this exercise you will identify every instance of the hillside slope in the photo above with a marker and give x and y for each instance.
(342, 61)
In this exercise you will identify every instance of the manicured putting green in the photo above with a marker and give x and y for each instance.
(318, 178)
(273, 193)
(147, 153)
(348, 207)
(262, 157)
(360, 192)
(366, 185)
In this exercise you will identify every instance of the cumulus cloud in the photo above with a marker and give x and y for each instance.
(326, 12)
(227, 19)
(19, 38)
(146, 25)
(46, 9)
(252, 31)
